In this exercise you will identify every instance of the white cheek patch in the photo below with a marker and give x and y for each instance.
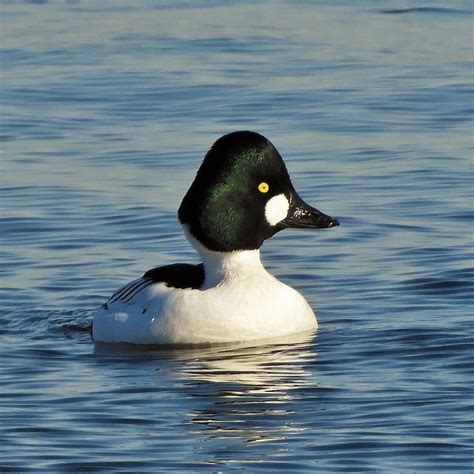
(276, 209)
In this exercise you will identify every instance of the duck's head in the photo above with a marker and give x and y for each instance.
(242, 195)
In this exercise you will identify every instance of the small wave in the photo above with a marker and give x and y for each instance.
(437, 10)
(454, 282)
(435, 286)
(39, 324)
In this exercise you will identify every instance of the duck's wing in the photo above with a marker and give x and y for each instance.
(178, 275)
(127, 293)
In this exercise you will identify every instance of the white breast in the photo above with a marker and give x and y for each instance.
(255, 308)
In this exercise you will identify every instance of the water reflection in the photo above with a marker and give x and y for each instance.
(275, 362)
(246, 392)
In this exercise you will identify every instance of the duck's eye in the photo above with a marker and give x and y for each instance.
(263, 187)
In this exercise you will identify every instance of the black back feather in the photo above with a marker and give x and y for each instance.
(178, 275)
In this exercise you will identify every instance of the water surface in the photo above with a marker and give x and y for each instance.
(107, 109)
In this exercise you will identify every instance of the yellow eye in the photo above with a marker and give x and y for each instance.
(263, 187)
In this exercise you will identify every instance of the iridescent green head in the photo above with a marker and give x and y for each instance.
(242, 194)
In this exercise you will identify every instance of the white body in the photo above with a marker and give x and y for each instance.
(239, 301)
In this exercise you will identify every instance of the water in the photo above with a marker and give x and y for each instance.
(107, 109)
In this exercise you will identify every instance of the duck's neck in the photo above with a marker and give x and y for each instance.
(222, 267)
(230, 266)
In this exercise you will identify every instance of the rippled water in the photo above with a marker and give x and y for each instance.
(107, 109)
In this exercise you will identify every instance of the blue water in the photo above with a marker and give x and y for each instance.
(107, 109)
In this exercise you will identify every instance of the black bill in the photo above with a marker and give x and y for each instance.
(301, 215)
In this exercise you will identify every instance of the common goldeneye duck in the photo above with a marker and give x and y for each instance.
(242, 195)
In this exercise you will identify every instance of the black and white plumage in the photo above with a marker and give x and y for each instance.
(177, 275)
(242, 195)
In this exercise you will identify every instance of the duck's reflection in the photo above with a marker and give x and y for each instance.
(248, 392)
(245, 393)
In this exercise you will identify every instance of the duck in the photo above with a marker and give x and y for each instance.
(241, 195)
